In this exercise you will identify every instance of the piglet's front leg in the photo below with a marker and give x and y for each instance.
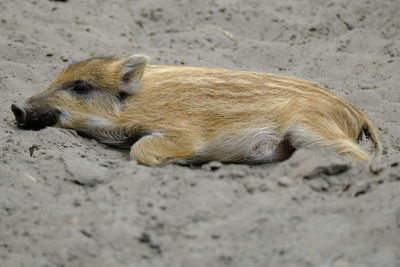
(154, 150)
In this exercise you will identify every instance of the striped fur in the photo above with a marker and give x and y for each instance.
(203, 114)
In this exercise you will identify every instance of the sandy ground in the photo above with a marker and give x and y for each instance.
(78, 203)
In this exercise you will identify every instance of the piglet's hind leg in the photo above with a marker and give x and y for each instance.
(334, 138)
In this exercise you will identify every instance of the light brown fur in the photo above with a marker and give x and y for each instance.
(191, 114)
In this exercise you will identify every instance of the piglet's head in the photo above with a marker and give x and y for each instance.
(86, 91)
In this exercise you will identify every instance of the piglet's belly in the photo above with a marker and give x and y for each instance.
(251, 146)
(281, 151)
(268, 151)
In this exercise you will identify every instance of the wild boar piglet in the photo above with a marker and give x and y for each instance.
(192, 115)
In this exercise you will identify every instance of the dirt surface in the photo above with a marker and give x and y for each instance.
(77, 203)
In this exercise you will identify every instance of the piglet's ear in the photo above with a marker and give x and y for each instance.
(131, 71)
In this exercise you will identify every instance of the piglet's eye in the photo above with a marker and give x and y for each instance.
(81, 87)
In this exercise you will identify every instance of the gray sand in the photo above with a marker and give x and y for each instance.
(78, 203)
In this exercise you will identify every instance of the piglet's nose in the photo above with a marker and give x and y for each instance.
(19, 113)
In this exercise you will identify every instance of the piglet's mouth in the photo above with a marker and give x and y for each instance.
(35, 118)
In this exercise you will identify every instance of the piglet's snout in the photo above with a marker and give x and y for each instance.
(35, 117)
(19, 113)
